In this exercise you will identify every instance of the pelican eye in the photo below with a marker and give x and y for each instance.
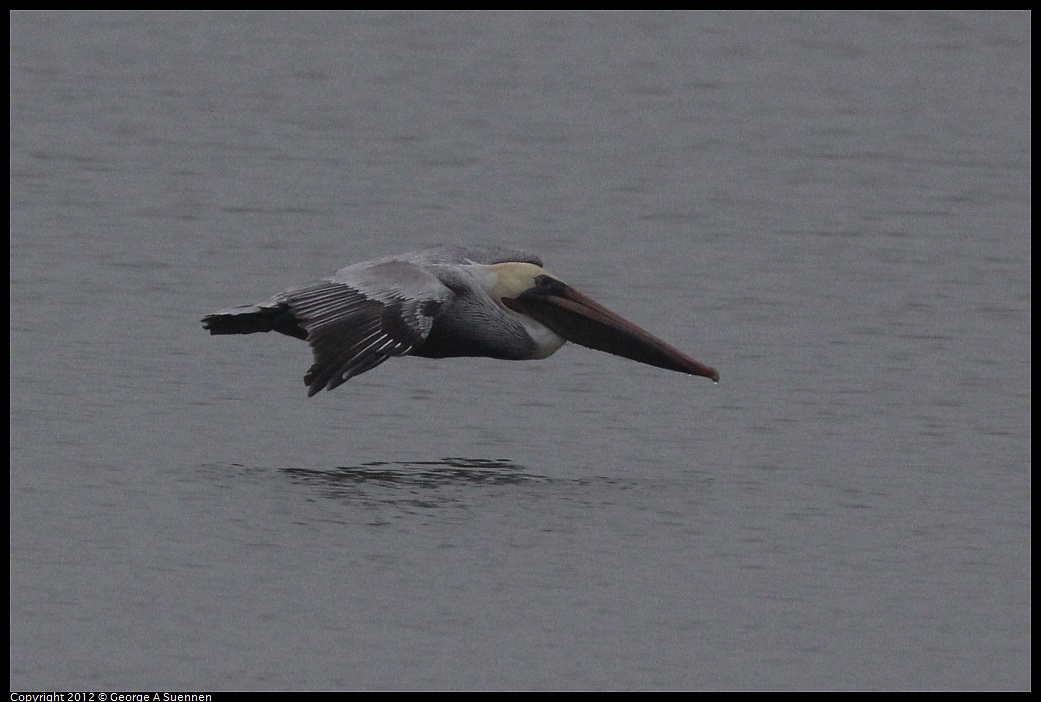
(548, 285)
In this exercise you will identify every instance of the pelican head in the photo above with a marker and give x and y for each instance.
(533, 292)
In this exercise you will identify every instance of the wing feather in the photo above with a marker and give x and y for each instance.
(363, 315)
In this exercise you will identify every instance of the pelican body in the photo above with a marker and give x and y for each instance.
(443, 302)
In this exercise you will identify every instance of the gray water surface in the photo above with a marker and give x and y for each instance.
(832, 209)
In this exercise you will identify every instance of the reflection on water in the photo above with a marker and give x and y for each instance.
(425, 474)
(430, 484)
(413, 484)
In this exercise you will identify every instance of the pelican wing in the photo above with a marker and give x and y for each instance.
(455, 255)
(363, 315)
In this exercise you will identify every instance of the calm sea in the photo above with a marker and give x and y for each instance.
(833, 209)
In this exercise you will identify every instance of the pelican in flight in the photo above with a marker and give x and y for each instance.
(442, 302)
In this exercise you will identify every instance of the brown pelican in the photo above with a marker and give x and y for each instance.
(442, 302)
